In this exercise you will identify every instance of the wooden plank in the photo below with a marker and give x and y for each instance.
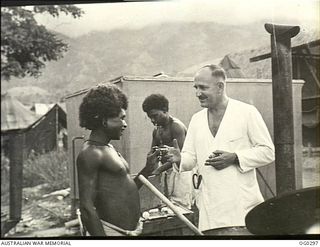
(294, 51)
(260, 57)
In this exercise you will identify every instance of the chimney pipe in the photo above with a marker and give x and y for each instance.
(281, 60)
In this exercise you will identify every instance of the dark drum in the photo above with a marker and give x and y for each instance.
(228, 231)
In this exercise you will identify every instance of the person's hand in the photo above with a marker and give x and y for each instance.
(166, 166)
(163, 149)
(173, 155)
(152, 159)
(221, 159)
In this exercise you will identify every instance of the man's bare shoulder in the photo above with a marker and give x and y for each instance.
(90, 155)
(103, 158)
(178, 125)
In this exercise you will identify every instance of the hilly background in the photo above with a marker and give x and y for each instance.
(168, 47)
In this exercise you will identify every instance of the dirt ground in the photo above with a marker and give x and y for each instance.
(39, 213)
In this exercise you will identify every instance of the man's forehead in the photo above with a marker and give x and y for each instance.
(205, 75)
(153, 111)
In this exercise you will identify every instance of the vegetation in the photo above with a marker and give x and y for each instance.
(27, 45)
(103, 55)
(50, 168)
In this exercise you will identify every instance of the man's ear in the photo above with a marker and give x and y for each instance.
(104, 122)
(221, 85)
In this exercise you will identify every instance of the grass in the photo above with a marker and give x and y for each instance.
(50, 168)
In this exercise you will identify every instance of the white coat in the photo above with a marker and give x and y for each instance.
(226, 196)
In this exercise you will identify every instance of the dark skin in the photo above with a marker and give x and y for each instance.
(167, 129)
(106, 189)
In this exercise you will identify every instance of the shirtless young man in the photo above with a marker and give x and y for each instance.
(109, 197)
(156, 106)
(167, 128)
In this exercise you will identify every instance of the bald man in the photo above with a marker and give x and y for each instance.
(225, 142)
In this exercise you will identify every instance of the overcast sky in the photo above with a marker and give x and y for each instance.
(138, 14)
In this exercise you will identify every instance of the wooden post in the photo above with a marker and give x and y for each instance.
(309, 150)
(281, 60)
(57, 125)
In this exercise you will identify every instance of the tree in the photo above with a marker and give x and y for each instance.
(25, 44)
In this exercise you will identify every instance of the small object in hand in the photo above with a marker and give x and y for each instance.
(212, 155)
(215, 154)
(162, 151)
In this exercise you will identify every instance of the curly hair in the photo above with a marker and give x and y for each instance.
(155, 101)
(102, 101)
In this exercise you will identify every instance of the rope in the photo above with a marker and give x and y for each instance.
(266, 183)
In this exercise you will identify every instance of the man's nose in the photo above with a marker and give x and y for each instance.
(124, 124)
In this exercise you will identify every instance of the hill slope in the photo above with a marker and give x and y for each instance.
(168, 48)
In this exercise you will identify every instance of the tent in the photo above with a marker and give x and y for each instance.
(14, 115)
(22, 131)
(39, 131)
(231, 68)
(15, 120)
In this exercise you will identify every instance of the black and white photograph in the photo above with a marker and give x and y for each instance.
(159, 120)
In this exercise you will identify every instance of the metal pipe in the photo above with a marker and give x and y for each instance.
(74, 174)
(281, 60)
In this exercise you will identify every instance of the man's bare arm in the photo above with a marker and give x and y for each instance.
(149, 168)
(178, 133)
(87, 164)
(154, 143)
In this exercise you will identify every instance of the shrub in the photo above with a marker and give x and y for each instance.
(51, 168)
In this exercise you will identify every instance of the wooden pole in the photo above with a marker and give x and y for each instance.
(16, 171)
(281, 61)
(169, 204)
(57, 126)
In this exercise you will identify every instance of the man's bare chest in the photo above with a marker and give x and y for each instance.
(163, 137)
(114, 162)
(214, 122)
